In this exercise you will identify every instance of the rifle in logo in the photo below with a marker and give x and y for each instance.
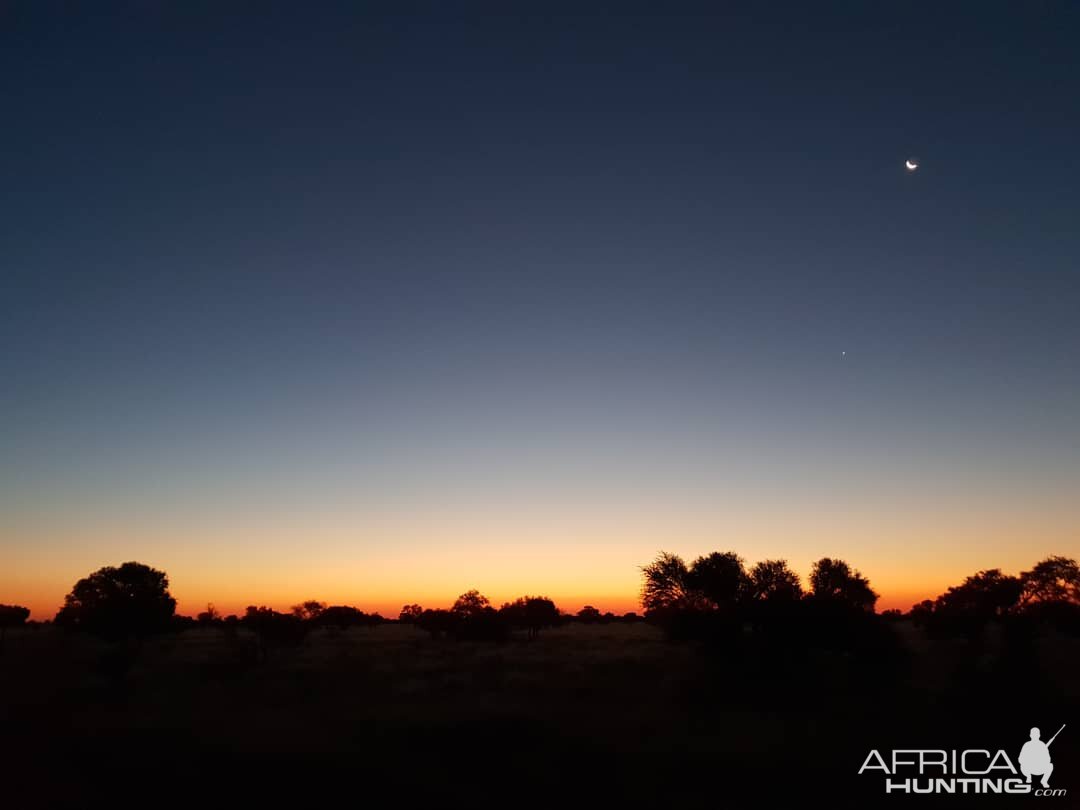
(1035, 757)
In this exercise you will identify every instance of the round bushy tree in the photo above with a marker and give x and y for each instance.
(132, 600)
(837, 583)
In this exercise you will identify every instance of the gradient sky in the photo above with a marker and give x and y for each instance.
(378, 302)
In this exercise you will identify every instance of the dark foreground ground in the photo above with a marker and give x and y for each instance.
(597, 715)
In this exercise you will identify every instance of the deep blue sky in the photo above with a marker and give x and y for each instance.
(436, 259)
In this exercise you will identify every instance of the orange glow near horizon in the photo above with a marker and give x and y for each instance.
(191, 601)
(574, 554)
(605, 574)
(44, 603)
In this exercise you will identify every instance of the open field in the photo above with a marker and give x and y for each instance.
(614, 712)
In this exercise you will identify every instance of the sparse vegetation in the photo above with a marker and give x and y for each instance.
(754, 659)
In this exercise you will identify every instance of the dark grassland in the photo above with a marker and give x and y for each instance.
(585, 714)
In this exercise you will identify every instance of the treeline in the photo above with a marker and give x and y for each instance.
(473, 617)
(132, 601)
(1049, 592)
(719, 583)
(716, 598)
(716, 595)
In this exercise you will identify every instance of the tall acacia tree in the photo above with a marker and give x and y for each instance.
(666, 586)
(1055, 579)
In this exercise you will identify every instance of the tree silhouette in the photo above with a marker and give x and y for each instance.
(1055, 579)
(985, 595)
(835, 582)
(210, 616)
(475, 619)
(532, 613)
(774, 600)
(410, 614)
(1051, 593)
(773, 580)
(11, 616)
(720, 578)
(666, 587)
(130, 601)
(470, 604)
(588, 615)
(966, 608)
(338, 617)
(310, 610)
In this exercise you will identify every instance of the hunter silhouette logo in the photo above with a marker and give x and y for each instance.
(1035, 757)
(972, 770)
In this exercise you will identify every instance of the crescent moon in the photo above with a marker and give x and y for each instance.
(911, 166)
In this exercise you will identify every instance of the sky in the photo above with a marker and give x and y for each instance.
(378, 302)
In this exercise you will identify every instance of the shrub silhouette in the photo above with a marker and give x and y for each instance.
(130, 601)
(209, 617)
(338, 617)
(437, 623)
(588, 615)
